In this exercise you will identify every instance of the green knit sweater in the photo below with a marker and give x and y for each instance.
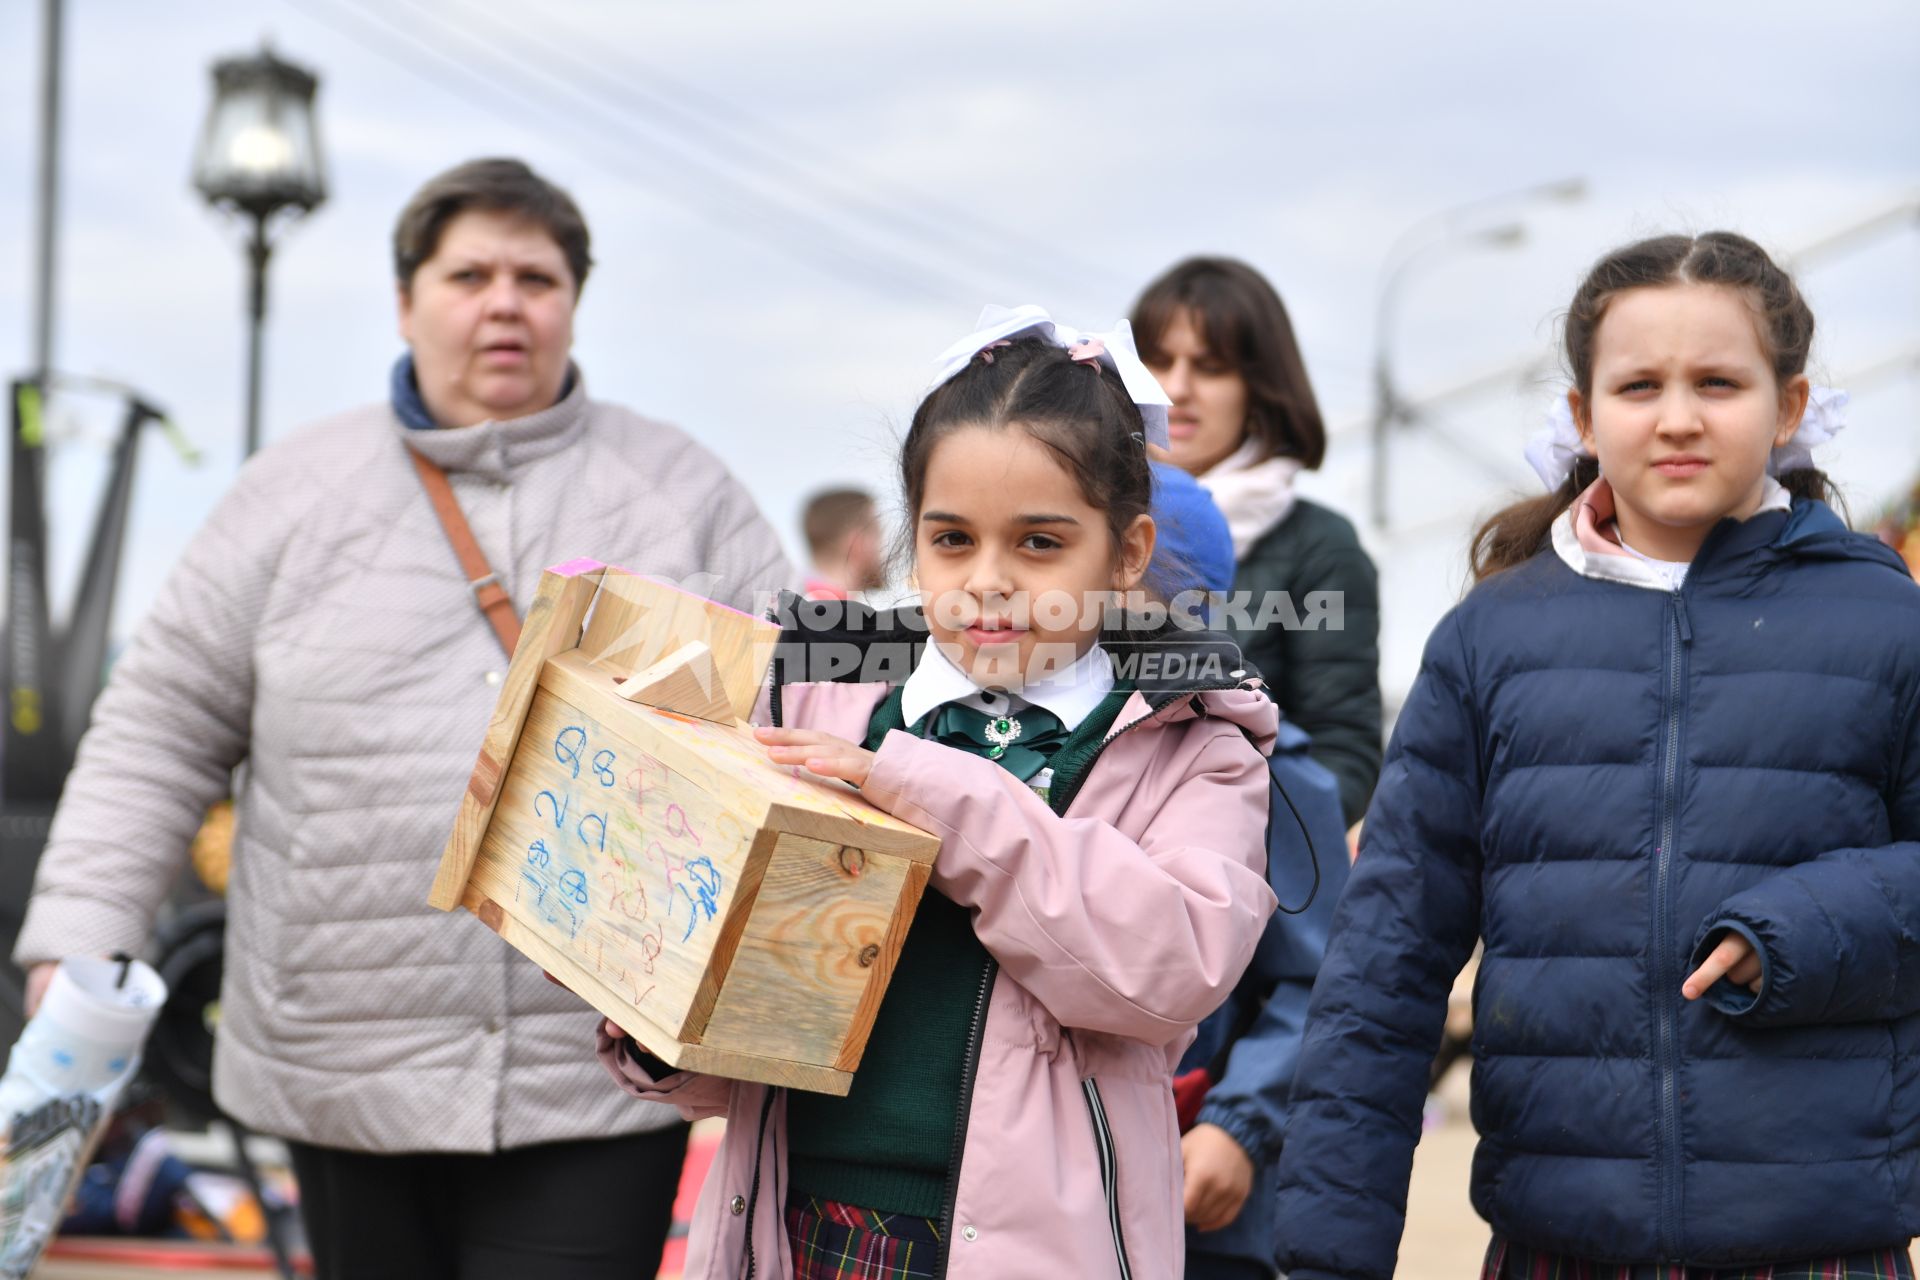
(889, 1144)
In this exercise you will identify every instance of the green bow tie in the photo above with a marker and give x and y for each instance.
(1021, 742)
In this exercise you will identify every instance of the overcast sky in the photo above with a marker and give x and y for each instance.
(795, 207)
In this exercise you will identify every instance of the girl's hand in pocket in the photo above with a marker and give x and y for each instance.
(820, 753)
(1734, 959)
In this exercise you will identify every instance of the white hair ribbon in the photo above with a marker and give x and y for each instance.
(1825, 418)
(1556, 446)
(1114, 350)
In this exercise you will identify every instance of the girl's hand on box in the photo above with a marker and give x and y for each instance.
(1734, 959)
(820, 753)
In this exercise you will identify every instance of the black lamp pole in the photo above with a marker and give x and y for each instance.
(260, 156)
(259, 252)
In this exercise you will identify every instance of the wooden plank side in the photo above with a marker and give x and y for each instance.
(860, 825)
(734, 1065)
(822, 922)
(913, 885)
(638, 621)
(577, 976)
(609, 854)
(683, 682)
(553, 623)
(745, 892)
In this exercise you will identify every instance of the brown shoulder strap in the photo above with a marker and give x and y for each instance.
(492, 598)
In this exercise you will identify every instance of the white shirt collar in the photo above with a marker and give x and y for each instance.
(1671, 572)
(1635, 568)
(1070, 693)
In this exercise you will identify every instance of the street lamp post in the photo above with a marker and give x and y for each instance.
(259, 155)
(1448, 229)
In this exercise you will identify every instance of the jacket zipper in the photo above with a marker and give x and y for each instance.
(969, 1071)
(1665, 983)
(753, 1192)
(970, 1068)
(1109, 1170)
(1096, 1107)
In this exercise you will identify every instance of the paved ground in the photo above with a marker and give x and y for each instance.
(1445, 1239)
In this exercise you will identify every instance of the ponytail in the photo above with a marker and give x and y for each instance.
(1513, 535)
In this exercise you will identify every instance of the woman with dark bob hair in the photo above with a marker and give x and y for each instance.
(1244, 423)
(341, 625)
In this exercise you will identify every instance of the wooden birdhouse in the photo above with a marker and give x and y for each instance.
(624, 830)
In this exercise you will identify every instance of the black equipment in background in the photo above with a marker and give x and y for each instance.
(51, 675)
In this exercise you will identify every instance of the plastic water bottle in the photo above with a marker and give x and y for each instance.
(76, 1054)
(87, 1033)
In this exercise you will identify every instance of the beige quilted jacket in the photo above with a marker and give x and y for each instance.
(319, 629)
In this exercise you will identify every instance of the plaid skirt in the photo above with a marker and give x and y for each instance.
(1507, 1261)
(834, 1241)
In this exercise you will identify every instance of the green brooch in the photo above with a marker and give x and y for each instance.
(1001, 733)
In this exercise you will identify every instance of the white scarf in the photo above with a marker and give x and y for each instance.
(1253, 496)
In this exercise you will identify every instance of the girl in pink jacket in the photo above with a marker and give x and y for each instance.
(1101, 799)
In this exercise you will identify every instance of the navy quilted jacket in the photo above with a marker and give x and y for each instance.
(1600, 779)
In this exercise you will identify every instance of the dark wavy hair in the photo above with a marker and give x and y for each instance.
(1243, 322)
(1518, 532)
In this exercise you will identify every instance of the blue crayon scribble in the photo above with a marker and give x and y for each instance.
(566, 750)
(573, 883)
(559, 804)
(539, 855)
(705, 896)
(552, 907)
(603, 762)
(581, 830)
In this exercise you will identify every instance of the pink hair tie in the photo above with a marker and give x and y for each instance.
(1088, 351)
(986, 352)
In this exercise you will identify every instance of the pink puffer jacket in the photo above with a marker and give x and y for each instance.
(1116, 928)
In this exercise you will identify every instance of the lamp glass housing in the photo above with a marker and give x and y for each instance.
(260, 149)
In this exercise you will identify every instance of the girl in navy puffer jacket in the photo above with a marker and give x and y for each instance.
(1665, 760)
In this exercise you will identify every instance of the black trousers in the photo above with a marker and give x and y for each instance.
(592, 1210)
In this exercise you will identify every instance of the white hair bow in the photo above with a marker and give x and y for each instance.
(1556, 447)
(1113, 349)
